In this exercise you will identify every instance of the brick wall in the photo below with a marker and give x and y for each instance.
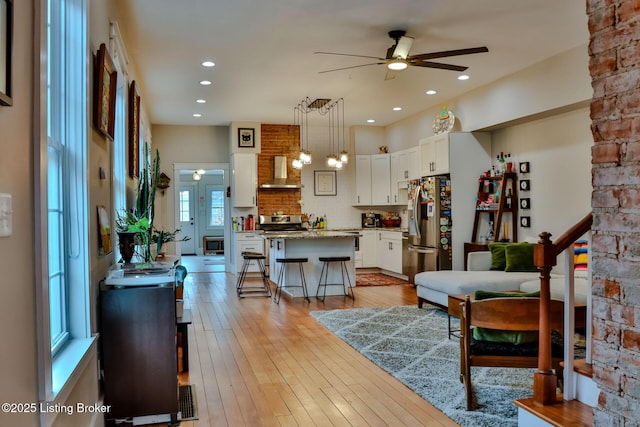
(278, 140)
(614, 51)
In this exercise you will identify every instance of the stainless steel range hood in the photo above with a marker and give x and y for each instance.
(280, 175)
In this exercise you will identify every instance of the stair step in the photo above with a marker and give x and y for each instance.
(583, 368)
(561, 413)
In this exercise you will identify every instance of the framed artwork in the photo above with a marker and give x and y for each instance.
(525, 185)
(525, 203)
(6, 43)
(324, 183)
(104, 231)
(105, 93)
(525, 221)
(524, 167)
(246, 137)
(134, 130)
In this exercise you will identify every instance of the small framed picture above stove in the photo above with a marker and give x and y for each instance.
(324, 183)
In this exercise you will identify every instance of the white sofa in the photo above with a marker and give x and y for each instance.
(434, 287)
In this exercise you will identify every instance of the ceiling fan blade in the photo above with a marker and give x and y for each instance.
(402, 47)
(354, 66)
(429, 64)
(348, 54)
(391, 74)
(447, 53)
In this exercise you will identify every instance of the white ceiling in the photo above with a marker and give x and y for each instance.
(265, 61)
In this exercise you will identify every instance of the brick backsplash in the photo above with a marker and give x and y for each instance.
(278, 140)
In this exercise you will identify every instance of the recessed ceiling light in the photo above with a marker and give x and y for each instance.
(397, 108)
(208, 64)
(197, 115)
(463, 77)
(201, 101)
(370, 121)
(205, 82)
(431, 92)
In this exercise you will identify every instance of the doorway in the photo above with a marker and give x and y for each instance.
(202, 207)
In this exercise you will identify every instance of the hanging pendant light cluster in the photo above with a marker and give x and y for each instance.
(335, 111)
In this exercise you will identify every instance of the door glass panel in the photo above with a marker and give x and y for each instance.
(185, 214)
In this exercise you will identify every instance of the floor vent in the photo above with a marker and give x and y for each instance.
(188, 405)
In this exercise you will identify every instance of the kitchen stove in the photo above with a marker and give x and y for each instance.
(281, 223)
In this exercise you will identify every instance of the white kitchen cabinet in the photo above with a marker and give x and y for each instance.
(244, 180)
(247, 242)
(380, 179)
(276, 250)
(405, 165)
(368, 249)
(434, 155)
(363, 180)
(398, 162)
(413, 163)
(389, 248)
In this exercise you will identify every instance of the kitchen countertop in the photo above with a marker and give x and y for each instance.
(311, 234)
(308, 233)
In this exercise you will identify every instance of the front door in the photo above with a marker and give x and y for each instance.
(187, 219)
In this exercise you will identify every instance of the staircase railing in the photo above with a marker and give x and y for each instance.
(545, 254)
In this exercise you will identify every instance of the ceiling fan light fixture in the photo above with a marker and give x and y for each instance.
(398, 64)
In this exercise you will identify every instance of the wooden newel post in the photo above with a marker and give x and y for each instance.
(544, 380)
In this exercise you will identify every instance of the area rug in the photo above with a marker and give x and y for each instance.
(377, 279)
(412, 345)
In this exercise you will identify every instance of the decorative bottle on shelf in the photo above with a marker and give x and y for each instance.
(509, 198)
(490, 234)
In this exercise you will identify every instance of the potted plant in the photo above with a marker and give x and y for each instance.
(135, 227)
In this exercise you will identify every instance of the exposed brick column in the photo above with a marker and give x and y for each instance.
(615, 112)
(278, 140)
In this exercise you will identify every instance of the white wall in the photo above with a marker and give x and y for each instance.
(558, 150)
(185, 144)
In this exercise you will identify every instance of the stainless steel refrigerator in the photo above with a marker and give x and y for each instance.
(427, 243)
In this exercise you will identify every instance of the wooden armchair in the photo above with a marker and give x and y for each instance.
(505, 314)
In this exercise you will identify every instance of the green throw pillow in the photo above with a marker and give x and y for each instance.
(500, 336)
(498, 257)
(519, 257)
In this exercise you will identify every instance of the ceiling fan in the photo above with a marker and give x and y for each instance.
(398, 57)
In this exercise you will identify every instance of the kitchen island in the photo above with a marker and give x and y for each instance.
(312, 245)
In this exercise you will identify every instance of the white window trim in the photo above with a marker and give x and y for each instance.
(58, 375)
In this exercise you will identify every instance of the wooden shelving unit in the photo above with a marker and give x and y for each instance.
(497, 188)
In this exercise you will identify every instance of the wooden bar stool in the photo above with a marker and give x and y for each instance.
(241, 289)
(282, 273)
(343, 270)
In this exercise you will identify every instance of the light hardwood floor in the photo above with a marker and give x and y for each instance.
(257, 363)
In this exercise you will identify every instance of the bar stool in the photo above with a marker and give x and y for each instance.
(265, 289)
(282, 274)
(325, 270)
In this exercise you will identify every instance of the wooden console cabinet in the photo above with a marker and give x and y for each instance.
(138, 331)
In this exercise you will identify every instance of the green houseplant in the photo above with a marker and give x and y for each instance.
(137, 223)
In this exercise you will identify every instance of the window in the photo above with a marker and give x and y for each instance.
(216, 210)
(185, 213)
(64, 308)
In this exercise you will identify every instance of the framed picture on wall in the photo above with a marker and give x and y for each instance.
(6, 42)
(324, 183)
(134, 130)
(105, 93)
(246, 137)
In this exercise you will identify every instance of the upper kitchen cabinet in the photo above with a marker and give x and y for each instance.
(380, 179)
(405, 166)
(244, 180)
(434, 155)
(363, 180)
(373, 180)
